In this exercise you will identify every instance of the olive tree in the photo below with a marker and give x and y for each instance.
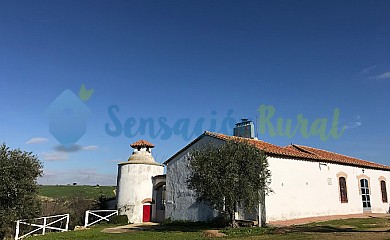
(223, 176)
(19, 171)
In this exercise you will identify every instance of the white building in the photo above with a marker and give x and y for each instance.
(306, 182)
(134, 183)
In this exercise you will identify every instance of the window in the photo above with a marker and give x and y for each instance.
(384, 191)
(343, 190)
(365, 191)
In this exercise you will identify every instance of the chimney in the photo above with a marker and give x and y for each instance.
(245, 129)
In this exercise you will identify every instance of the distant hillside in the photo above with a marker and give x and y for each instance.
(90, 192)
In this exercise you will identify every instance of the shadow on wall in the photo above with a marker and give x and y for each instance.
(205, 213)
(127, 210)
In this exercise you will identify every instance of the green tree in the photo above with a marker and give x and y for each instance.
(231, 174)
(19, 171)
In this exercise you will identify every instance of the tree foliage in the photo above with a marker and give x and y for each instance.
(19, 171)
(226, 175)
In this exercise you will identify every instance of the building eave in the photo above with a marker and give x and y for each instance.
(297, 153)
(185, 148)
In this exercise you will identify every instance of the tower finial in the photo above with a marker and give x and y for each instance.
(141, 144)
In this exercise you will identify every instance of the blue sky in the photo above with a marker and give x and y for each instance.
(191, 60)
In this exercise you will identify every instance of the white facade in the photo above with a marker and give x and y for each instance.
(134, 184)
(181, 201)
(308, 189)
(301, 188)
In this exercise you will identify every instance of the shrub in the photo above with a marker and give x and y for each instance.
(119, 220)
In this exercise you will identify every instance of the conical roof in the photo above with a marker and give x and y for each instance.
(142, 153)
(142, 143)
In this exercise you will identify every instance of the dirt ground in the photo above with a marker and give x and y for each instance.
(324, 218)
(130, 228)
(344, 232)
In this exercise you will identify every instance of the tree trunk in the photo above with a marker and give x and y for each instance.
(233, 223)
(262, 212)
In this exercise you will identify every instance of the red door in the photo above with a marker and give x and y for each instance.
(147, 210)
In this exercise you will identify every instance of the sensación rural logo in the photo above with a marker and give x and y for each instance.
(68, 115)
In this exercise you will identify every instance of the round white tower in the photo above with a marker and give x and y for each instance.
(134, 183)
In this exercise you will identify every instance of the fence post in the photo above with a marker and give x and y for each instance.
(86, 218)
(17, 230)
(67, 222)
(44, 226)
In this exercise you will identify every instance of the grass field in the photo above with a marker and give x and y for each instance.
(91, 192)
(349, 229)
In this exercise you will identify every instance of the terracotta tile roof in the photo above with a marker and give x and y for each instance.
(293, 151)
(141, 143)
(264, 146)
(337, 158)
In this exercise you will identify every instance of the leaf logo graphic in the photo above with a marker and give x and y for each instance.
(85, 94)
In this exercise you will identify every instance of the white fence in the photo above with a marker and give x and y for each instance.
(96, 213)
(47, 224)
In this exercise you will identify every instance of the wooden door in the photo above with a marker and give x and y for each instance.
(147, 213)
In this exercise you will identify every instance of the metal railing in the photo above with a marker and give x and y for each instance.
(46, 225)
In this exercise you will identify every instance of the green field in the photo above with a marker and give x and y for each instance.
(350, 229)
(90, 192)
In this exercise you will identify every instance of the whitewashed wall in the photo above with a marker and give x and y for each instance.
(306, 189)
(181, 202)
(134, 186)
(301, 189)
